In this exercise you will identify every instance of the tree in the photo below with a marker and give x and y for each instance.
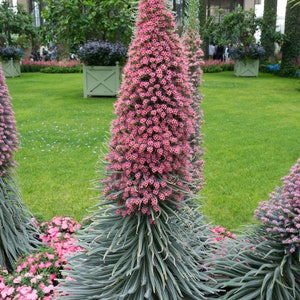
(238, 26)
(145, 240)
(269, 28)
(72, 22)
(291, 44)
(14, 22)
(18, 234)
(202, 12)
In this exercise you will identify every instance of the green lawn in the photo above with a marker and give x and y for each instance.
(62, 135)
(252, 130)
(252, 138)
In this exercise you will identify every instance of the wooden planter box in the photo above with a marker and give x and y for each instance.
(101, 80)
(247, 68)
(11, 68)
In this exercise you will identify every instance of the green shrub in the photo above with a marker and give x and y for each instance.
(212, 69)
(30, 68)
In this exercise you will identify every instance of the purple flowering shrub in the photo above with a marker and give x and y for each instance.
(36, 275)
(241, 52)
(102, 53)
(8, 53)
(281, 214)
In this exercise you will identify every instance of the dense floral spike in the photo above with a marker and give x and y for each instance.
(149, 150)
(18, 234)
(281, 214)
(255, 265)
(8, 133)
(192, 46)
(266, 258)
(156, 252)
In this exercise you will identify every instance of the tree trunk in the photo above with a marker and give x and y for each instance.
(202, 20)
(291, 45)
(269, 28)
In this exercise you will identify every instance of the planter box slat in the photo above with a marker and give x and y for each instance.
(101, 80)
(247, 68)
(11, 68)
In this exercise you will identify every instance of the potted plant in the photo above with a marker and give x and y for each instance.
(102, 67)
(10, 59)
(237, 28)
(246, 59)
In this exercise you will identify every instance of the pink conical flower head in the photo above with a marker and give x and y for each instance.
(149, 159)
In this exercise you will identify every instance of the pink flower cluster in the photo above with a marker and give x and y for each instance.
(58, 234)
(220, 238)
(281, 214)
(209, 63)
(8, 132)
(221, 233)
(34, 278)
(36, 275)
(192, 47)
(149, 159)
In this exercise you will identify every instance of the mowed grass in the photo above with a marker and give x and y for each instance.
(62, 137)
(252, 138)
(252, 130)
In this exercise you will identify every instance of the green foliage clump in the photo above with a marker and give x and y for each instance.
(15, 22)
(238, 26)
(31, 68)
(72, 22)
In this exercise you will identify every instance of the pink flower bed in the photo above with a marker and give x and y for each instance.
(71, 63)
(36, 275)
(209, 63)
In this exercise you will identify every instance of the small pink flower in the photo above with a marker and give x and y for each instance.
(17, 280)
(6, 291)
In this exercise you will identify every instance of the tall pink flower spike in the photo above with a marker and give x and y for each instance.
(149, 150)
